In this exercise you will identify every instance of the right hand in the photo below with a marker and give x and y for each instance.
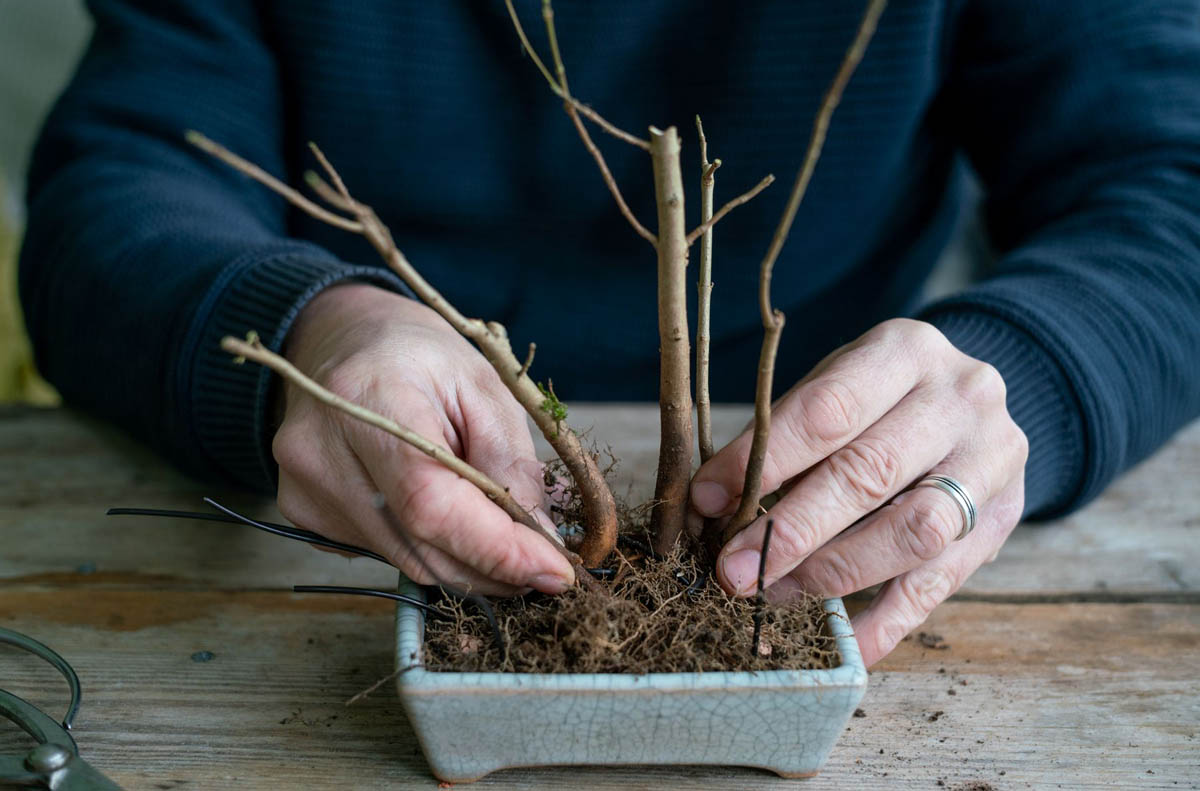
(399, 358)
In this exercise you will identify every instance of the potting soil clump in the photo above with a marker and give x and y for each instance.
(662, 616)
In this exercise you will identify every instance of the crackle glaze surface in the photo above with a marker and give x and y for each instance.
(470, 724)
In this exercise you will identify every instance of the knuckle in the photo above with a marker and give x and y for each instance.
(831, 412)
(925, 590)
(868, 468)
(1020, 444)
(289, 446)
(793, 536)
(839, 575)
(892, 331)
(422, 508)
(926, 336)
(923, 529)
(509, 564)
(981, 385)
(345, 381)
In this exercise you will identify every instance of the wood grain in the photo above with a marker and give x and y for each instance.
(1082, 694)
(1140, 537)
(1072, 661)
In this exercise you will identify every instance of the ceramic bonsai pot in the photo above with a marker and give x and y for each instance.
(470, 724)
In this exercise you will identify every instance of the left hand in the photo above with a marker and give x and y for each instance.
(846, 442)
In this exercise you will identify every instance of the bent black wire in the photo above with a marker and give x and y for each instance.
(229, 516)
(350, 590)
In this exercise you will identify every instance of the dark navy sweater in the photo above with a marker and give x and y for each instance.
(1080, 117)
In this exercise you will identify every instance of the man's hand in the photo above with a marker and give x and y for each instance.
(872, 418)
(402, 360)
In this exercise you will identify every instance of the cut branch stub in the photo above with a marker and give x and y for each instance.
(675, 386)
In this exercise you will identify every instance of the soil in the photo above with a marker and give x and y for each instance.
(660, 615)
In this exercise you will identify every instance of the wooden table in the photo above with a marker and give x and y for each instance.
(1072, 661)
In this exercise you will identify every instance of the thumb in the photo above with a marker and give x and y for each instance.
(717, 485)
(497, 442)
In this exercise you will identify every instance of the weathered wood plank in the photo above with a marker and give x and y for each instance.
(62, 471)
(1086, 695)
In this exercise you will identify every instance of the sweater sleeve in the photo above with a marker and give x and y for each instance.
(141, 252)
(1082, 119)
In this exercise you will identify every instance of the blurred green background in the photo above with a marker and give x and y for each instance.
(40, 42)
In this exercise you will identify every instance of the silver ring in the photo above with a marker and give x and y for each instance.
(959, 494)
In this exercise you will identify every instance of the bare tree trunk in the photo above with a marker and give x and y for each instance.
(675, 392)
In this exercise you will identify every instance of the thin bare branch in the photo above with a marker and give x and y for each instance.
(529, 50)
(611, 183)
(748, 507)
(569, 104)
(773, 319)
(604, 124)
(816, 142)
(574, 109)
(266, 179)
(584, 110)
(745, 197)
(704, 300)
(253, 349)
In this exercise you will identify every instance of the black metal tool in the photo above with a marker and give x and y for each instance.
(55, 762)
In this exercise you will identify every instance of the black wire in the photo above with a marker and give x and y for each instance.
(760, 599)
(368, 592)
(229, 516)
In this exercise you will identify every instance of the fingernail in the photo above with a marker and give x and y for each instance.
(741, 570)
(549, 583)
(709, 497)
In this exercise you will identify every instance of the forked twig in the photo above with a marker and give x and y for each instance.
(583, 109)
(560, 87)
(293, 196)
(490, 337)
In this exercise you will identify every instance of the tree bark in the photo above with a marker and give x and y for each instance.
(675, 392)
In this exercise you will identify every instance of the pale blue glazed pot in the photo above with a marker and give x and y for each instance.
(470, 724)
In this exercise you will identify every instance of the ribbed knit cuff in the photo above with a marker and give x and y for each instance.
(1040, 401)
(230, 404)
